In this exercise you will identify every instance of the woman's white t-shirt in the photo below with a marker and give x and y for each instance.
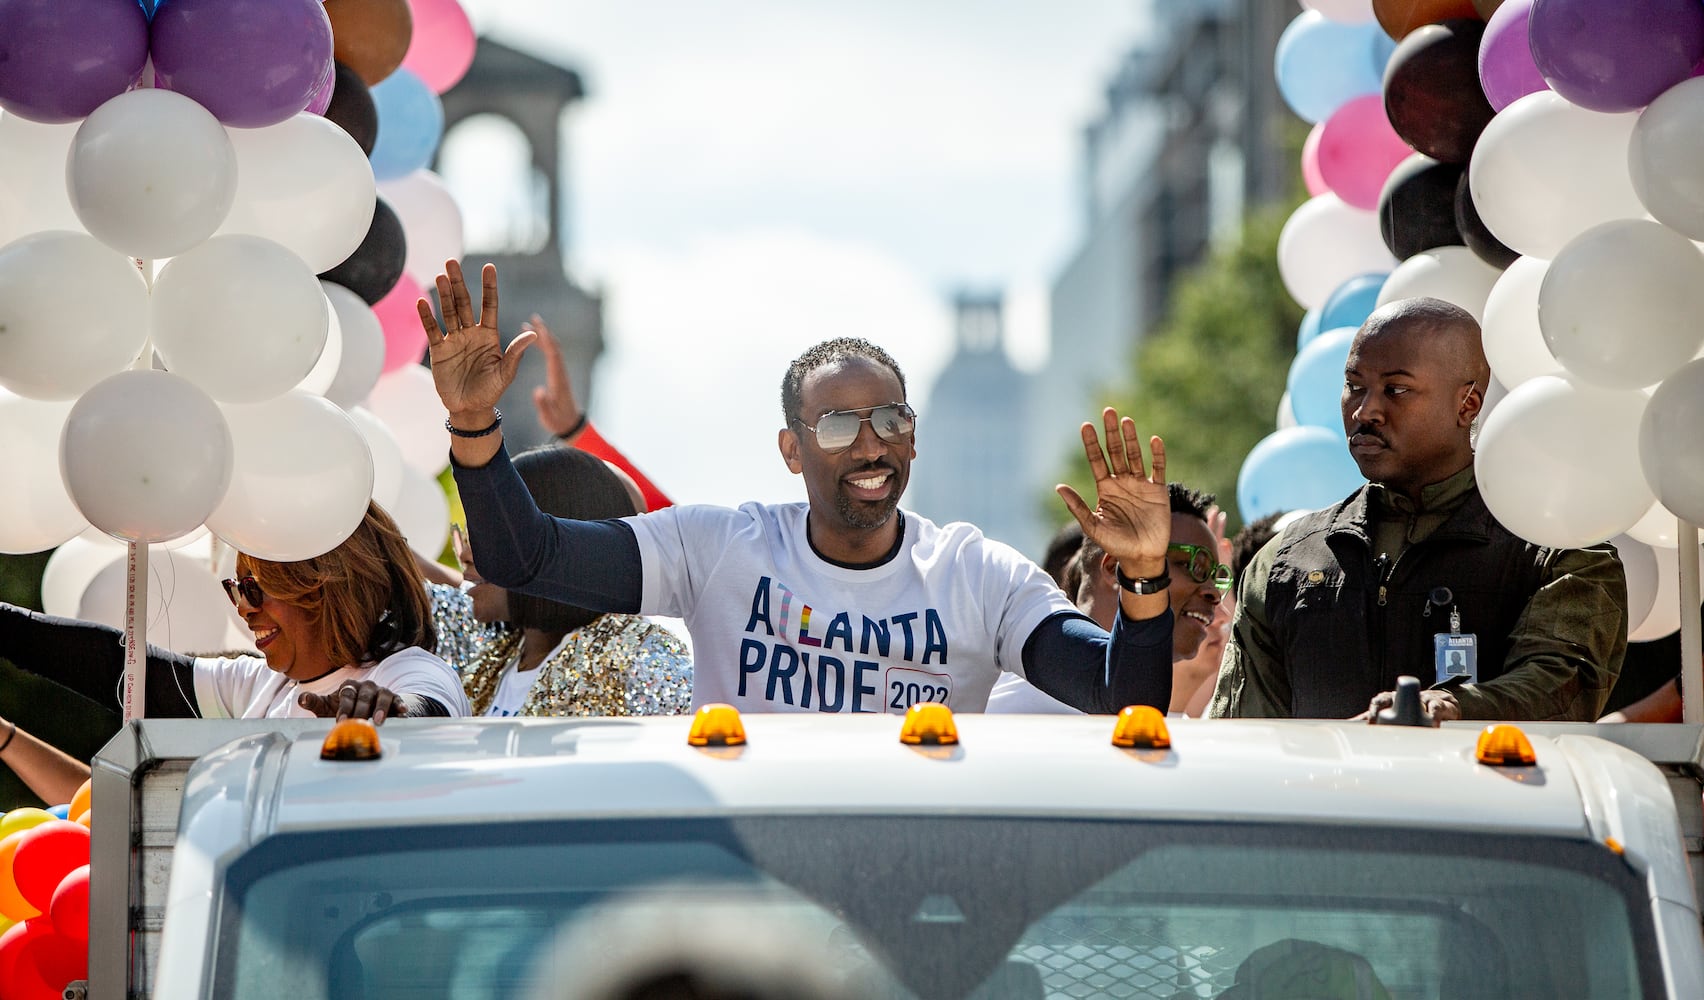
(244, 687)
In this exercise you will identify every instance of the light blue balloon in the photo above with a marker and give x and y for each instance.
(1297, 468)
(411, 123)
(1315, 382)
(1309, 329)
(1350, 303)
(61, 811)
(1321, 63)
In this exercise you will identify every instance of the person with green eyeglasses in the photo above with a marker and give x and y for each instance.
(842, 603)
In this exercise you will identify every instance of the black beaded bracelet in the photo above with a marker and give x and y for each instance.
(458, 432)
(1145, 586)
(579, 425)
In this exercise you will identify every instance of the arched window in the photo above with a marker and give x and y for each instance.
(487, 163)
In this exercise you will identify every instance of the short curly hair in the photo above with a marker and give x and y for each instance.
(829, 352)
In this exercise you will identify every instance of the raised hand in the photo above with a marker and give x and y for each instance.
(1131, 519)
(558, 411)
(470, 367)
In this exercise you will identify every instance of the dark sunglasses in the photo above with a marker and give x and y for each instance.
(248, 587)
(836, 430)
(1201, 565)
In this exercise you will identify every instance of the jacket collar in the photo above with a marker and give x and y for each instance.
(1469, 519)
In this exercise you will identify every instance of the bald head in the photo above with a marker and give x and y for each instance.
(1443, 332)
(1413, 385)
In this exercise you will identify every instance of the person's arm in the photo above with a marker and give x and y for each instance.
(560, 414)
(1566, 648)
(1661, 705)
(89, 659)
(371, 700)
(1252, 680)
(1070, 658)
(51, 774)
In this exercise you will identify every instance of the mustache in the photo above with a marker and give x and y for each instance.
(875, 466)
(1369, 432)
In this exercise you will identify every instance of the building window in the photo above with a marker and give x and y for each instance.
(487, 163)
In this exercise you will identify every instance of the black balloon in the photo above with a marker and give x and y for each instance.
(1432, 93)
(374, 267)
(1417, 206)
(352, 109)
(1479, 239)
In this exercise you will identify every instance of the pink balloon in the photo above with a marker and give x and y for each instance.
(405, 338)
(1506, 70)
(443, 43)
(1358, 149)
(1310, 161)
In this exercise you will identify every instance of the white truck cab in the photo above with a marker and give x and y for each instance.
(1032, 858)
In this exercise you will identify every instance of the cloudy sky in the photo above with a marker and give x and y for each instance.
(752, 176)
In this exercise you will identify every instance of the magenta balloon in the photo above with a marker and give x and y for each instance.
(62, 59)
(1618, 55)
(1310, 161)
(442, 47)
(253, 63)
(1506, 70)
(1358, 149)
(322, 97)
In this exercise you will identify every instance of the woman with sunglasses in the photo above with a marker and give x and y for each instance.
(347, 634)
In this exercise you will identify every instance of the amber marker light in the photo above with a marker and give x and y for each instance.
(1504, 746)
(929, 724)
(351, 739)
(1141, 727)
(717, 725)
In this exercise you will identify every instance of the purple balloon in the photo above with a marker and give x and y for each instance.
(62, 59)
(1615, 55)
(322, 97)
(1506, 70)
(252, 63)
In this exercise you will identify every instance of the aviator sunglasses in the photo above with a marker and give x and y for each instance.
(248, 587)
(1202, 566)
(837, 429)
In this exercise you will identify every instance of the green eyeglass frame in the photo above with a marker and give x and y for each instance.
(1201, 565)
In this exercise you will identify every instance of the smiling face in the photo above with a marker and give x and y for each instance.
(1193, 604)
(853, 493)
(1411, 389)
(292, 639)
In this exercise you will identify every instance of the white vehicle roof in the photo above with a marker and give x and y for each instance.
(1016, 765)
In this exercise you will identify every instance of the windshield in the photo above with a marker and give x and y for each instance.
(940, 907)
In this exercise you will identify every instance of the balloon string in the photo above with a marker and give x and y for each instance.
(145, 360)
(135, 630)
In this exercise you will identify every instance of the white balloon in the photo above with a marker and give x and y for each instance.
(1545, 171)
(69, 570)
(324, 372)
(1659, 528)
(363, 356)
(1671, 442)
(301, 480)
(423, 514)
(431, 223)
(1640, 565)
(305, 184)
(1454, 274)
(1286, 412)
(387, 456)
(1324, 243)
(1556, 462)
(39, 513)
(240, 316)
(1345, 11)
(1514, 345)
(1620, 305)
(1664, 619)
(1663, 156)
(73, 312)
(145, 455)
(32, 177)
(187, 607)
(409, 405)
(151, 173)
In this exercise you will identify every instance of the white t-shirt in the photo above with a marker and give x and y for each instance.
(514, 686)
(244, 687)
(776, 628)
